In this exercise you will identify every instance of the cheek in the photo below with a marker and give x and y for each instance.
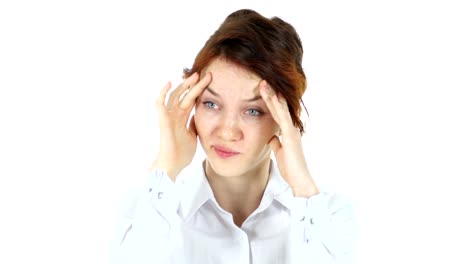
(203, 123)
(261, 132)
(269, 127)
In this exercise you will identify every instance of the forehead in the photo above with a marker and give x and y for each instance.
(230, 77)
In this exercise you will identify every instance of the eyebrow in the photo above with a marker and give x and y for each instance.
(256, 98)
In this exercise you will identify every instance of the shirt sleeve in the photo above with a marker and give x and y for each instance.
(143, 233)
(328, 219)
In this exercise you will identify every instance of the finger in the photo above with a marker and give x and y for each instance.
(280, 102)
(278, 107)
(188, 100)
(275, 144)
(287, 126)
(162, 95)
(267, 94)
(174, 98)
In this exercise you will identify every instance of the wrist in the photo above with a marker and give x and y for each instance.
(306, 190)
(171, 171)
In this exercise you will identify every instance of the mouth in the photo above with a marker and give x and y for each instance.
(224, 152)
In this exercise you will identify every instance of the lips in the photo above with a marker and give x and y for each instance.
(224, 152)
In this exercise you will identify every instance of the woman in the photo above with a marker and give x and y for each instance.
(237, 206)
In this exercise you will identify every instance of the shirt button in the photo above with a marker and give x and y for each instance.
(302, 219)
(311, 221)
(160, 195)
(150, 189)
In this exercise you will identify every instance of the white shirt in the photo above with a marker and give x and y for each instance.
(183, 223)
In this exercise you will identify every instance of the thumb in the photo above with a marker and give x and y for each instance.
(192, 127)
(275, 144)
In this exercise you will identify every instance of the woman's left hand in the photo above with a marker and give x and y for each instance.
(288, 150)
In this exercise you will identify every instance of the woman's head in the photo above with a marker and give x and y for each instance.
(233, 122)
(268, 48)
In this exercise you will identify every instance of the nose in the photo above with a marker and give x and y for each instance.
(229, 129)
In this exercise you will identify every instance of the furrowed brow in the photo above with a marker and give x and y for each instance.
(212, 92)
(255, 98)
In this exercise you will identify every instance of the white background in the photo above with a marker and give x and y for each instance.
(387, 98)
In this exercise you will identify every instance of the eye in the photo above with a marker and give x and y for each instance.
(254, 112)
(210, 105)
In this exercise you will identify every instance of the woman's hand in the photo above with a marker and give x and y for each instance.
(288, 151)
(178, 142)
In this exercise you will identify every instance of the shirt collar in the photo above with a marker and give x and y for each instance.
(196, 190)
(277, 189)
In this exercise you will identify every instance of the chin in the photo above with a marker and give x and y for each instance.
(226, 168)
(234, 167)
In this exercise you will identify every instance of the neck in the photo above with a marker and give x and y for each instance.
(239, 195)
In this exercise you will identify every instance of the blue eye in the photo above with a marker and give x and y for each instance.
(210, 104)
(254, 112)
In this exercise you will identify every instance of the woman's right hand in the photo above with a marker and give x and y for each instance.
(178, 142)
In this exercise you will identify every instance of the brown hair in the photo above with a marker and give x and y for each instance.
(270, 48)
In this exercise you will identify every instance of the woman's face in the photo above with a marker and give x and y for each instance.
(232, 120)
